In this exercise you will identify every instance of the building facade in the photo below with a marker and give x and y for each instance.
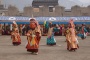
(37, 3)
(56, 11)
(51, 8)
(3, 11)
(45, 8)
(13, 11)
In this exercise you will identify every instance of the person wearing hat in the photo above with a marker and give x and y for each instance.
(16, 39)
(50, 39)
(83, 31)
(71, 37)
(33, 37)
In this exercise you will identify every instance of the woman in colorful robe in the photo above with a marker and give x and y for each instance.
(83, 32)
(51, 40)
(71, 37)
(16, 40)
(33, 37)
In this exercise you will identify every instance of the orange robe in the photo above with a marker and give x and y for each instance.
(73, 38)
(16, 40)
(33, 38)
(67, 35)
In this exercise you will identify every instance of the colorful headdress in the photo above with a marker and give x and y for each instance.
(72, 23)
(14, 22)
(34, 20)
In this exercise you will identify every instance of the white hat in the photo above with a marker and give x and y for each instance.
(14, 22)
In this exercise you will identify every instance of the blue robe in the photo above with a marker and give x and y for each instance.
(51, 40)
(83, 35)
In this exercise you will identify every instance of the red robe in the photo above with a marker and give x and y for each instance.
(16, 40)
(33, 38)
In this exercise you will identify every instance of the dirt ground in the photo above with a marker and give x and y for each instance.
(58, 52)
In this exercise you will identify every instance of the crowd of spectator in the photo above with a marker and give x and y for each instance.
(59, 29)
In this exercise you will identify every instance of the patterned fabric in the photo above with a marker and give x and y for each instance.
(33, 37)
(51, 41)
(33, 41)
(71, 37)
(84, 32)
(16, 40)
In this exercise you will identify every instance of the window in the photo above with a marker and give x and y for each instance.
(51, 9)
